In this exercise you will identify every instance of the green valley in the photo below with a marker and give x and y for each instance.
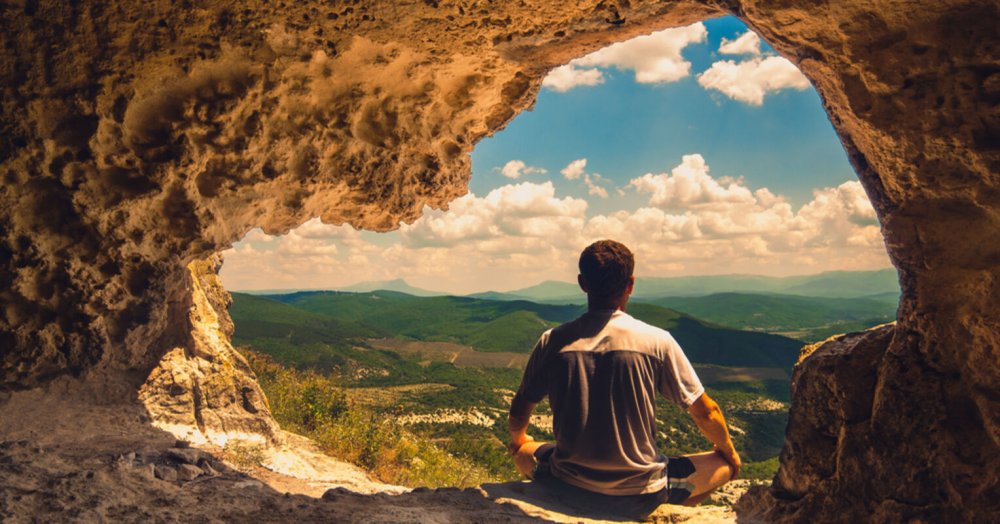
(804, 318)
(437, 374)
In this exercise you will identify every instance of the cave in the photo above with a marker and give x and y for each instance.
(140, 139)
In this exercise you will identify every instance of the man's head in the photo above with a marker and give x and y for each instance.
(606, 271)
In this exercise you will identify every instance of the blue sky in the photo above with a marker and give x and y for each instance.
(625, 128)
(697, 146)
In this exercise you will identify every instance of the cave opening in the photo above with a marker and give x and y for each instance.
(777, 239)
(138, 138)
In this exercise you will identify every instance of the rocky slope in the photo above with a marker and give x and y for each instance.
(139, 136)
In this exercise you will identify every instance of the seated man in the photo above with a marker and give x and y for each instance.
(602, 373)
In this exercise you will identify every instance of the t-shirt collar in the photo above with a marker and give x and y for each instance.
(604, 312)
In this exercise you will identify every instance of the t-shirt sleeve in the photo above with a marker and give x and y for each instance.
(534, 384)
(678, 381)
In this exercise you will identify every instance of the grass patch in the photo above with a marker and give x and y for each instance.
(243, 455)
(317, 406)
(760, 470)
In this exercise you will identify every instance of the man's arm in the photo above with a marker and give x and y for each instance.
(708, 416)
(532, 386)
(520, 415)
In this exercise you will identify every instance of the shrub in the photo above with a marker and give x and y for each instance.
(318, 407)
(243, 455)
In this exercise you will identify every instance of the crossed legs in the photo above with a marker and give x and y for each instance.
(525, 458)
(710, 470)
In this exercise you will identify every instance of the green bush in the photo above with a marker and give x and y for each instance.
(243, 455)
(762, 470)
(316, 406)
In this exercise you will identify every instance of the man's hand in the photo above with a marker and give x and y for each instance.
(732, 458)
(517, 442)
(520, 414)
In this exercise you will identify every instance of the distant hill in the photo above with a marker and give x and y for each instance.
(844, 284)
(486, 325)
(833, 284)
(550, 292)
(255, 315)
(707, 344)
(786, 313)
(891, 297)
(296, 336)
(493, 325)
(398, 285)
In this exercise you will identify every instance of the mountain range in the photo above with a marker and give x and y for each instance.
(831, 284)
(881, 285)
(307, 326)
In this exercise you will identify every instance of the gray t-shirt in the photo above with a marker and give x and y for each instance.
(602, 373)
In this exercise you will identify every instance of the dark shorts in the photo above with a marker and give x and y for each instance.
(679, 470)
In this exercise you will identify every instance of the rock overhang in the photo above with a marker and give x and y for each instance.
(140, 137)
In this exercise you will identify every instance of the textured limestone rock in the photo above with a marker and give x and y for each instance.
(834, 389)
(203, 390)
(139, 136)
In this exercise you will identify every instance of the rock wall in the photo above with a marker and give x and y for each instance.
(139, 136)
(203, 391)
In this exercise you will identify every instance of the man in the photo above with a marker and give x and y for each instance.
(602, 373)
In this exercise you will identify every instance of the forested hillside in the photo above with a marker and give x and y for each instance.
(409, 387)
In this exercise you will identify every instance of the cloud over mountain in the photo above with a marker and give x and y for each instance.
(691, 223)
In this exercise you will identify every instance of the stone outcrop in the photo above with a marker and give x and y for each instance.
(203, 390)
(140, 136)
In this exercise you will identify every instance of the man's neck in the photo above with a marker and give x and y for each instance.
(606, 305)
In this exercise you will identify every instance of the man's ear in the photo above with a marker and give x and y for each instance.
(583, 283)
(631, 285)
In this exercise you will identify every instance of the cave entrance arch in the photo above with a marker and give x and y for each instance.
(533, 208)
(112, 187)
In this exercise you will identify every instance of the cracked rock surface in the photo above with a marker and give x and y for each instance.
(138, 137)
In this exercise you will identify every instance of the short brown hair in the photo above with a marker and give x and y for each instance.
(606, 265)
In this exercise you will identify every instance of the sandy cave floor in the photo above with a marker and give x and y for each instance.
(73, 461)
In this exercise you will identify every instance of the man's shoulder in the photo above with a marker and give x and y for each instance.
(630, 323)
(566, 329)
(643, 332)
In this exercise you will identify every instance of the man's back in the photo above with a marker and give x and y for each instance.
(603, 372)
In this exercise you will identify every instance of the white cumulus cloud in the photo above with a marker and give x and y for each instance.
(746, 44)
(655, 58)
(566, 77)
(574, 169)
(594, 182)
(522, 233)
(592, 187)
(524, 210)
(517, 168)
(749, 81)
(689, 183)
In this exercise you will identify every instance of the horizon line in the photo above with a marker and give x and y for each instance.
(444, 293)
